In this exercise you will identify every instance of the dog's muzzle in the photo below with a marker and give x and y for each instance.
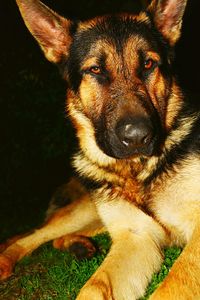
(136, 136)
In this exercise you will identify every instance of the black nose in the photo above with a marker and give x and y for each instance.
(135, 132)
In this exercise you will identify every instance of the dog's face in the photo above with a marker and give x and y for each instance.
(121, 90)
(121, 82)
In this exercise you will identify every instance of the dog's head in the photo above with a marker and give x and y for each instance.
(122, 96)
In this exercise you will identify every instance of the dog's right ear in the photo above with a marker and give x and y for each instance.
(167, 16)
(50, 30)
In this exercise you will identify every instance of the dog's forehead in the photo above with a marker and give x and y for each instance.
(104, 34)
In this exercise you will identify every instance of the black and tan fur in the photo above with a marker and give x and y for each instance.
(139, 156)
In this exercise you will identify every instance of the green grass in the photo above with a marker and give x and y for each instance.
(170, 254)
(50, 274)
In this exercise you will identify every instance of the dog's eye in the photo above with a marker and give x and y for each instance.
(95, 70)
(148, 64)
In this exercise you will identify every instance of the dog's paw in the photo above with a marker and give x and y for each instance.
(94, 291)
(80, 246)
(91, 293)
(98, 287)
(6, 267)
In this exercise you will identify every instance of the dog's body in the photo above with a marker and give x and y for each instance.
(139, 149)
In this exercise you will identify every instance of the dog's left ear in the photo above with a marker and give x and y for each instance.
(50, 30)
(167, 16)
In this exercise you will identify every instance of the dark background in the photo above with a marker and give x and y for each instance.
(36, 139)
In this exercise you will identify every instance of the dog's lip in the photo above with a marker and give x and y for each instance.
(138, 152)
(125, 150)
(125, 153)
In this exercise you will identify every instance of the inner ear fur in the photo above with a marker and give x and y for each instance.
(167, 16)
(50, 29)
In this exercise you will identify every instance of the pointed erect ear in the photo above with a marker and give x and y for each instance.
(167, 15)
(49, 29)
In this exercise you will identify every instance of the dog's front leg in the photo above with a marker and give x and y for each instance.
(77, 218)
(183, 280)
(134, 256)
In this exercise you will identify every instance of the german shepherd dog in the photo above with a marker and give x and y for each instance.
(139, 150)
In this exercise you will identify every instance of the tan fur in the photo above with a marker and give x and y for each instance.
(134, 248)
(175, 200)
(77, 218)
(183, 280)
(141, 218)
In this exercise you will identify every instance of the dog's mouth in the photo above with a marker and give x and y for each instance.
(126, 149)
(131, 137)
